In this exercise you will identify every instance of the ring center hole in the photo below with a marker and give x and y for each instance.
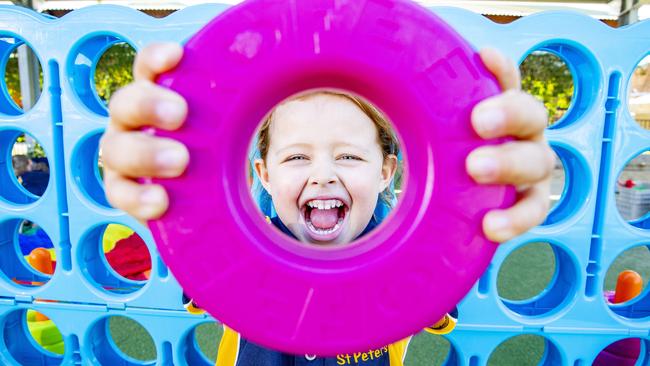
(326, 168)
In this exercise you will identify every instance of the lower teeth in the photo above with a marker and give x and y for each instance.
(324, 231)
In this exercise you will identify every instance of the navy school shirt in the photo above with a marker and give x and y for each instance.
(236, 351)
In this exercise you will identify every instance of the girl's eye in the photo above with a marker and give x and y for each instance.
(296, 157)
(349, 157)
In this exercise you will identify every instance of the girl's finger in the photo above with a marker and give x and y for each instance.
(156, 59)
(503, 68)
(512, 113)
(136, 154)
(144, 202)
(515, 162)
(144, 103)
(528, 212)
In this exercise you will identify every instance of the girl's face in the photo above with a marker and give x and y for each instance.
(324, 168)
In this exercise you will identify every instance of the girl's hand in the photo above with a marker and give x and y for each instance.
(526, 162)
(127, 152)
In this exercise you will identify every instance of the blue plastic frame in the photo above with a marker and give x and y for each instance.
(595, 139)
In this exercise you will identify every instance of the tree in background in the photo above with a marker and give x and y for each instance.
(12, 79)
(544, 75)
(114, 70)
(34, 149)
(547, 77)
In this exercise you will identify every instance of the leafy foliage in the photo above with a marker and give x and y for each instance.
(12, 79)
(547, 77)
(114, 70)
(544, 75)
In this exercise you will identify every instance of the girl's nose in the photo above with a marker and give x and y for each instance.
(323, 173)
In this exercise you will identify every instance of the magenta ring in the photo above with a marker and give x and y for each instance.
(393, 282)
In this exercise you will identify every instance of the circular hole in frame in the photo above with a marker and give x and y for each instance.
(24, 167)
(548, 73)
(638, 98)
(87, 169)
(624, 352)
(535, 279)
(114, 70)
(23, 76)
(526, 350)
(44, 332)
(30, 261)
(547, 76)
(30, 164)
(115, 258)
(29, 335)
(633, 191)
(356, 145)
(98, 66)
(37, 248)
(432, 350)
(625, 287)
(202, 344)
(569, 184)
(120, 339)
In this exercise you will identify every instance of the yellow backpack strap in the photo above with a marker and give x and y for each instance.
(397, 352)
(443, 326)
(228, 348)
(191, 306)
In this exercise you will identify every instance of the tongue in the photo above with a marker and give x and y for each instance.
(324, 219)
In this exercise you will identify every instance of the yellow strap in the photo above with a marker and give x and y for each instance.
(397, 352)
(444, 326)
(193, 309)
(228, 348)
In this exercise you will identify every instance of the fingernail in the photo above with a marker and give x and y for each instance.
(151, 197)
(497, 222)
(171, 158)
(483, 168)
(170, 112)
(490, 121)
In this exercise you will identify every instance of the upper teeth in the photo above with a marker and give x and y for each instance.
(324, 204)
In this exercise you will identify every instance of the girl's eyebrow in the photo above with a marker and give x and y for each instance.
(298, 145)
(350, 145)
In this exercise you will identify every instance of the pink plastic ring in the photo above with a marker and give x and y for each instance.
(390, 284)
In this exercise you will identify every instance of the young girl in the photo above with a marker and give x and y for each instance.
(325, 159)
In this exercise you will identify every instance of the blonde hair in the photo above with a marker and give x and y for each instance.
(386, 136)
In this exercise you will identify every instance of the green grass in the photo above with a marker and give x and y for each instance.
(131, 338)
(526, 272)
(636, 259)
(427, 349)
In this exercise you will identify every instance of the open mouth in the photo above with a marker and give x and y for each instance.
(324, 218)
